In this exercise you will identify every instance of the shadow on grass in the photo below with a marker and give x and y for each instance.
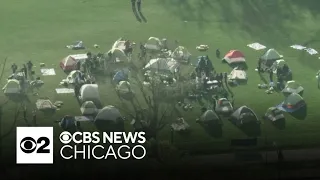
(301, 114)
(251, 129)
(213, 129)
(280, 124)
(256, 17)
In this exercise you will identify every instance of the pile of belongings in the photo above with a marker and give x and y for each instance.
(124, 90)
(223, 106)
(185, 106)
(202, 47)
(58, 104)
(180, 125)
(71, 78)
(274, 114)
(68, 123)
(181, 54)
(45, 105)
(36, 84)
(76, 46)
(154, 44)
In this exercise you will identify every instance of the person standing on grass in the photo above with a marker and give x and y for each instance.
(218, 53)
(318, 78)
(139, 5)
(14, 68)
(29, 65)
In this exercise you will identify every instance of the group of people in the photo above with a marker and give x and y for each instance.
(26, 69)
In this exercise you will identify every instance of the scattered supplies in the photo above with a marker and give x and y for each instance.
(311, 51)
(256, 46)
(64, 91)
(298, 47)
(48, 72)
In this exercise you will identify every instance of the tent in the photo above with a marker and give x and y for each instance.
(292, 103)
(274, 114)
(153, 43)
(118, 55)
(12, 87)
(162, 65)
(45, 104)
(244, 115)
(121, 75)
(293, 87)
(69, 63)
(72, 75)
(238, 75)
(124, 87)
(181, 53)
(278, 64)
(234, 56)
(269, 57)
(109, 119)
(223, 106)
(89, 92)
(210, 116)
(119, 44)
(88, 108)
(108, 113)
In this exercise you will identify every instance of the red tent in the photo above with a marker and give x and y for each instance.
(234, 56)
(69, 63)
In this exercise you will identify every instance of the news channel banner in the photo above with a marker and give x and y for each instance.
(34, 145)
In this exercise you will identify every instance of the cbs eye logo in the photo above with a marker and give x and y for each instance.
(29, 145)
(65, 137)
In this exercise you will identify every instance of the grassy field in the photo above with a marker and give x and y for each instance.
(39, 30)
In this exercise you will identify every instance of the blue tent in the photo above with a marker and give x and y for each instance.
(120, 76)
(292, 103)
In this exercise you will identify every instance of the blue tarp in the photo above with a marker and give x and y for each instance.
(120, 76)
(281, 107)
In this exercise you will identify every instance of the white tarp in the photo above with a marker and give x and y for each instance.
(162, 64)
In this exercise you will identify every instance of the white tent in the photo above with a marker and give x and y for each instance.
(72, 75)
(244, 115)
(162, 65)
(108, 113)
(209, 116)
(119, 44)
(12, 87)
(274, 114)
(124, 87)
(271, 54)
(278, 64)
(238, 75)
(88, 108)
(268, 58)
(181, 53)
(293, 87)
(89, 92)
(69, 63)
(118, 55)
(153, 43)
(223, 106)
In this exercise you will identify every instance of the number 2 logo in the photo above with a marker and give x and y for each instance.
(29, 145)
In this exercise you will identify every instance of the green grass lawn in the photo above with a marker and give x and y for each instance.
(39, 30)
